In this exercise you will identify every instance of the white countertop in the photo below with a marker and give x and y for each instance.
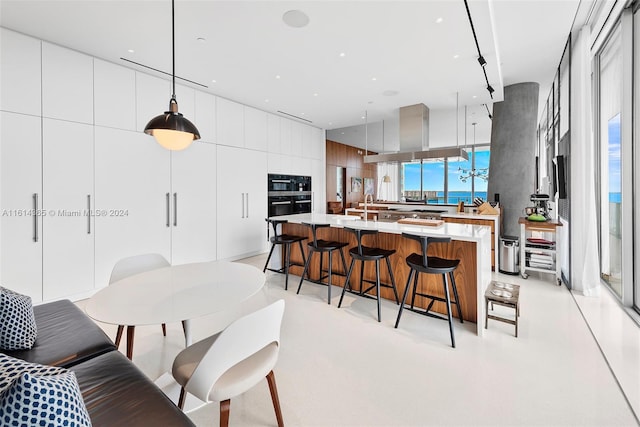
(463, 232)
(470, 216)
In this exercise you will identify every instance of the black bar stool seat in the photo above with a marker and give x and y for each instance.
(421, 263)
(321, 246)
(285, 240)
(363, 254)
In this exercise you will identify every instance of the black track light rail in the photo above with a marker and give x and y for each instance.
(481, 59)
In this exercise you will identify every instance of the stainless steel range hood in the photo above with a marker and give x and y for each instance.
(414, 139)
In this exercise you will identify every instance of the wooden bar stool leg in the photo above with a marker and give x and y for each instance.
(455, 294)
(329, 279)
(415, 289)
(361, 276)
(273, 246)
(378, 286)
(306, 270)
(130, 334)
(449, 317)
(393, 281)
(404, 296)
(347, 281)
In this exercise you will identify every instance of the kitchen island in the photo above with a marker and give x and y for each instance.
(471, 244)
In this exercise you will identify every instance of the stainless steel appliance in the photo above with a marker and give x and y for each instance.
(393, 215)
(288, 194)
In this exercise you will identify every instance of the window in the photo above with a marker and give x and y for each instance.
(447, 181)
(610, 82)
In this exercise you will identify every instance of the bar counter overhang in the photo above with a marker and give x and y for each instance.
(471, 244)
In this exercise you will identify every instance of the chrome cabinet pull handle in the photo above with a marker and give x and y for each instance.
(35, 217)
(168, 210)
(175, 209)
(88, 213)
(247, 204)
(242, 195)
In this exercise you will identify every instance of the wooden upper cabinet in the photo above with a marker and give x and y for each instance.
(115, 95)
(20, 77)
(67, 84)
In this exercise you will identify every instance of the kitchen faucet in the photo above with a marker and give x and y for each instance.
(366, 196)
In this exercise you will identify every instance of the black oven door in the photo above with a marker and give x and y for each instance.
(280, 183)
(302, 204)
(280, 205)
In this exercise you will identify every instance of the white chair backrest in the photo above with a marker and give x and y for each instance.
(137, 264)
(241, 339)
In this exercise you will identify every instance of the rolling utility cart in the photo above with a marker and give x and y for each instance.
(539, 247)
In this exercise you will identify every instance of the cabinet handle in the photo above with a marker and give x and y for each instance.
(175, 209)
(242, 205)
(88, 213)
(247, 204)
(168, 195)
(35, 217)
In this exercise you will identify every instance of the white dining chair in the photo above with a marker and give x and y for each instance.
(231, 362)
(134, 265)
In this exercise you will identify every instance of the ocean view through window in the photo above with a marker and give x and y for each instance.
(441, 181)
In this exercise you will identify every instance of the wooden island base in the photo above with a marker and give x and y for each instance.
(465, 275)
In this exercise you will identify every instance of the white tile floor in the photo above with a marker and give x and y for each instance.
(340, 367)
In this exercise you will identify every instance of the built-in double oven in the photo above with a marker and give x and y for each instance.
(288, 194)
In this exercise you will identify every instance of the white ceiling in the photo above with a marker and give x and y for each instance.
(247, 44)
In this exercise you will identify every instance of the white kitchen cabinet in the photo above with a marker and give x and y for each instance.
(318, 186)
(115, 95)
(152, 98)
(186, 98)
(20, 197)
(133, 198)
(67, 84)
(68, 229)
(205, 118)
(297, 144)
(307, 141)
(255, 129)
(20, 73)
(193, 204)
(318, 143)
(273, 133)
(285, 136)
(242, 202)
(230, 123)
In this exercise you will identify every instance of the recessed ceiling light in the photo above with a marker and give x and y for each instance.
(302, 114)
(295, 18)
(266, 100)
(131, 51)
(342, 54)
(277, 76)
(330, 123)
(315, 94)
(213, 81)
(373, 79)
(456, 56)
(342, 133)
(362, 117)
(474, 96)
(439, 20)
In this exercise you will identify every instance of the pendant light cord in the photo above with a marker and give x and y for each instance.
(173, 48)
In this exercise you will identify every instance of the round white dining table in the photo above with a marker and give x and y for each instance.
(177, 293)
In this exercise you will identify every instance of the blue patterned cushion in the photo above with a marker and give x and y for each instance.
(18, 329)
(38, 395)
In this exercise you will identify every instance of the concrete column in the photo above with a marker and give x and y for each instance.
(513, 142)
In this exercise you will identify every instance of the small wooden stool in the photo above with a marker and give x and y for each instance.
(505, 294)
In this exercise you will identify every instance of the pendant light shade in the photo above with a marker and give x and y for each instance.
(172, 130)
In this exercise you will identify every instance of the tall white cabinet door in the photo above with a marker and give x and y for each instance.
(152, 98)
(20, 78)
(205, 118)
(67, 84)
(193, 183)
(318, 186)
(273, 133)
(21, 179)
(132, 187)
(67, 231)
(115, 95)
(242, 202)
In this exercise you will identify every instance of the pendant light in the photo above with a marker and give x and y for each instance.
(172, 130)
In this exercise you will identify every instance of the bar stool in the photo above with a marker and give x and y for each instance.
(285, 240)
(431, 265)
(322, 246)
(362, 254)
